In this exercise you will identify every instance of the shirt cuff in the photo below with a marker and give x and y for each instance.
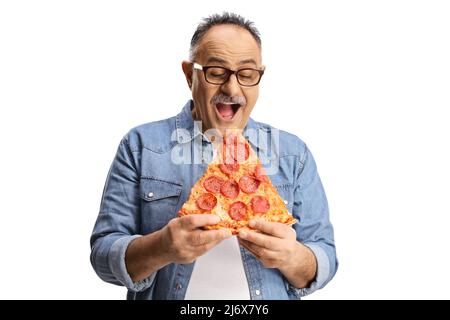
(322, 275)
(116, 260)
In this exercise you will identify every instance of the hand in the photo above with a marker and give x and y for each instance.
(184, 240)
(276, 246)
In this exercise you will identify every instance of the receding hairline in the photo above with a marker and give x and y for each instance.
(214, 59)
(214, 43)
(226, 18)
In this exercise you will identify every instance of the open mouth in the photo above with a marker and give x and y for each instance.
(227, 111)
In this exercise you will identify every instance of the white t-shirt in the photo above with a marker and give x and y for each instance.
(219, 274)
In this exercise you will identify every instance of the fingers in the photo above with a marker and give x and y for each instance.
(206, 247)
(202, 237)
(210, 240)
(247, 245)
(275, 229)
(194, 221)
(257, 251)
(260, 239)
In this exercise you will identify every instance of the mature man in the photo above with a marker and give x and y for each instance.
(138, 240)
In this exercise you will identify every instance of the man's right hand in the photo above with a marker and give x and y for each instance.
(182, 240)
(185, 240)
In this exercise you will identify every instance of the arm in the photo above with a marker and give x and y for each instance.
(181, 241)
(314, 229)
(301, 270)
(119, 254)
(118, 222)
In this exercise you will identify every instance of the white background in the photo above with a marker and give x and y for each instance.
(364, 83)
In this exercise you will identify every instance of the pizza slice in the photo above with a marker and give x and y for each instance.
(236, 188)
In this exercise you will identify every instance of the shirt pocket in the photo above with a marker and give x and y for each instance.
(159, 200)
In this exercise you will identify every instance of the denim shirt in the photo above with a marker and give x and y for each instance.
(145, 188)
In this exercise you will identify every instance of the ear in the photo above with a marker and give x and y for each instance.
(187, 70)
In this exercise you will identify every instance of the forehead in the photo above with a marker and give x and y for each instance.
(230, 43)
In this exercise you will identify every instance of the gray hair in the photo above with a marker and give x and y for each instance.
(218, 19)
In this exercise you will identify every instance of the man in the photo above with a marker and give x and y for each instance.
(138, 240)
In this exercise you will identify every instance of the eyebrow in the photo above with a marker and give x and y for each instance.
(220, 60)
(248, 61)
(215, 59)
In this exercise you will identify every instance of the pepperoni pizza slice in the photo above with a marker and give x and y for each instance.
(236, 188)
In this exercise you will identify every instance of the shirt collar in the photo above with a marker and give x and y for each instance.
(185, 122)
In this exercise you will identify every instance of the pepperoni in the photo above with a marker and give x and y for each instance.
(230, 189)
(241, 152)
(227, 158)
(260, 174)
(213, 184)
(206, 201)
(226, 147)
(229, 168)
(260, 204)
(231, 139)
(227, 152)
(238, 211)
(248, 184)
(234, 150)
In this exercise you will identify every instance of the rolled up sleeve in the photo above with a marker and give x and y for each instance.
(322, 274)
(118, 222)
(313, 228)
(116, 260)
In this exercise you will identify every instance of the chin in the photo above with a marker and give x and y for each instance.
(233, 125)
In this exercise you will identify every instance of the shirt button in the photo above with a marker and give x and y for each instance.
(150, 195)
(257, 292)
(178, 286)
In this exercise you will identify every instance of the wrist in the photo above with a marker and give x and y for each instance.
(300, 270)
(157, 254)
(292, 263)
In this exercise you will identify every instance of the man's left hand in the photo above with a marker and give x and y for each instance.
(276, 246)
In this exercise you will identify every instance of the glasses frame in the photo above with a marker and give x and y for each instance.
(229, 72)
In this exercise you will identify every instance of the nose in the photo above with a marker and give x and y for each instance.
(232, 87)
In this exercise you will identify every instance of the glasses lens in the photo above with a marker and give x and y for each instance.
(248, 77)
(217, 75)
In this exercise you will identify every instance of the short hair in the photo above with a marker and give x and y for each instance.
(218, 19)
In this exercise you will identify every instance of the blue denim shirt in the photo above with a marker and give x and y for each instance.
(145, 189)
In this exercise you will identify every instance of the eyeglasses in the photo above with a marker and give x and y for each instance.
(246, 77)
